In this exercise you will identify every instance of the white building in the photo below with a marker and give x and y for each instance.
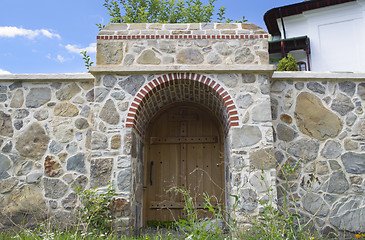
(327, 35)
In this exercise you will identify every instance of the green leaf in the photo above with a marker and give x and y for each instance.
(163, 11)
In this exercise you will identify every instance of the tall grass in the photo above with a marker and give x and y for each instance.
(274, 222)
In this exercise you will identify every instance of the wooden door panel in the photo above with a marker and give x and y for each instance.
(184, 145)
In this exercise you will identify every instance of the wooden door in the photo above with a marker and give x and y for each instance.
(184, 149)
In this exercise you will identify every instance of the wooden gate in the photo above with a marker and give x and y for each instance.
(183, 149)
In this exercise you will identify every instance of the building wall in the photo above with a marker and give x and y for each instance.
(336, 36)
(319, 125)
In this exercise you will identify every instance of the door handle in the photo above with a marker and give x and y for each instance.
(151, 173)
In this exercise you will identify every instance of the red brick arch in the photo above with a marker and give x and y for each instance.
(181, 87)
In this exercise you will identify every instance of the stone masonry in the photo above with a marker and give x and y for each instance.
(62, 132)
(223, 67)
(320, 130)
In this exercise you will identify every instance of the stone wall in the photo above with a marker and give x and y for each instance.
(223, 67)
(45, 133)
(320, 130)
(60, 132)
(63, 131)
(53, 142)
(181, 44)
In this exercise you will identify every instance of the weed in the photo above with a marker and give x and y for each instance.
(96, 210)
(195, 227)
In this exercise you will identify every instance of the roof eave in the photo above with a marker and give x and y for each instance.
(272, 15)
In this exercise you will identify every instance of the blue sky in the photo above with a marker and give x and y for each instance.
(46, 36)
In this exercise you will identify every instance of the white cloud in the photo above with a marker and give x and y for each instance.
(77, 49)
(4, 72)
(12, 32)
(59, 58)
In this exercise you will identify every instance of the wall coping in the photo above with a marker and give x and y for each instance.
(187, 29)
(277, 76)
(310, 76)
(47, 77)
(237, 68)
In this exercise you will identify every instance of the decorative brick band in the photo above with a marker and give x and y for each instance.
(181, 87)
(182, 36)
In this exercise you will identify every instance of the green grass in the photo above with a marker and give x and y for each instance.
(56, 235)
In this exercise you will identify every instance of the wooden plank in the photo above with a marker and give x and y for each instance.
(183, 165)
(166, 204)
(173, 205)
(177, 149)
(184, 140)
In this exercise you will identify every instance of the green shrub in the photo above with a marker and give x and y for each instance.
(195, 227)
(163, 11)
(287, 64)
(96, 210)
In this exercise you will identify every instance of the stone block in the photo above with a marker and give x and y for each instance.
(342, 104)
(137, 26)
(63, 130)
(148, 57)
(38, 97)
(54, 188)
(354, 162)
(331, 150)
(228, 32)
(33, 142)
(76, 163)
(361, 90)
(155, 26)
(247, 201)
(243, 55)
(52, 167)
(194, 26)
(304, 149)
(66, 110)
(100, 172)
(176, 26)
(124, 180)
(25, 205)
(314, 120)
(99, 141)
(18, 99)
(207, 26)
(115, 142)
(132, 83)
(109, 81)
(68, 92)
(8, 185)
(349, 214)
(315, 204)
(337, 183)
(5, 163)
(230, 79)
(23, 168)
(79, 183)
(262, 112)
(245, 136)
(263, 159)
(70, 201)
(226, 26)
(109, 113)
(116, 26)
(189, 56)
(109, 52)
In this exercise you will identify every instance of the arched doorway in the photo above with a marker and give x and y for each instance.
(185, 149)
